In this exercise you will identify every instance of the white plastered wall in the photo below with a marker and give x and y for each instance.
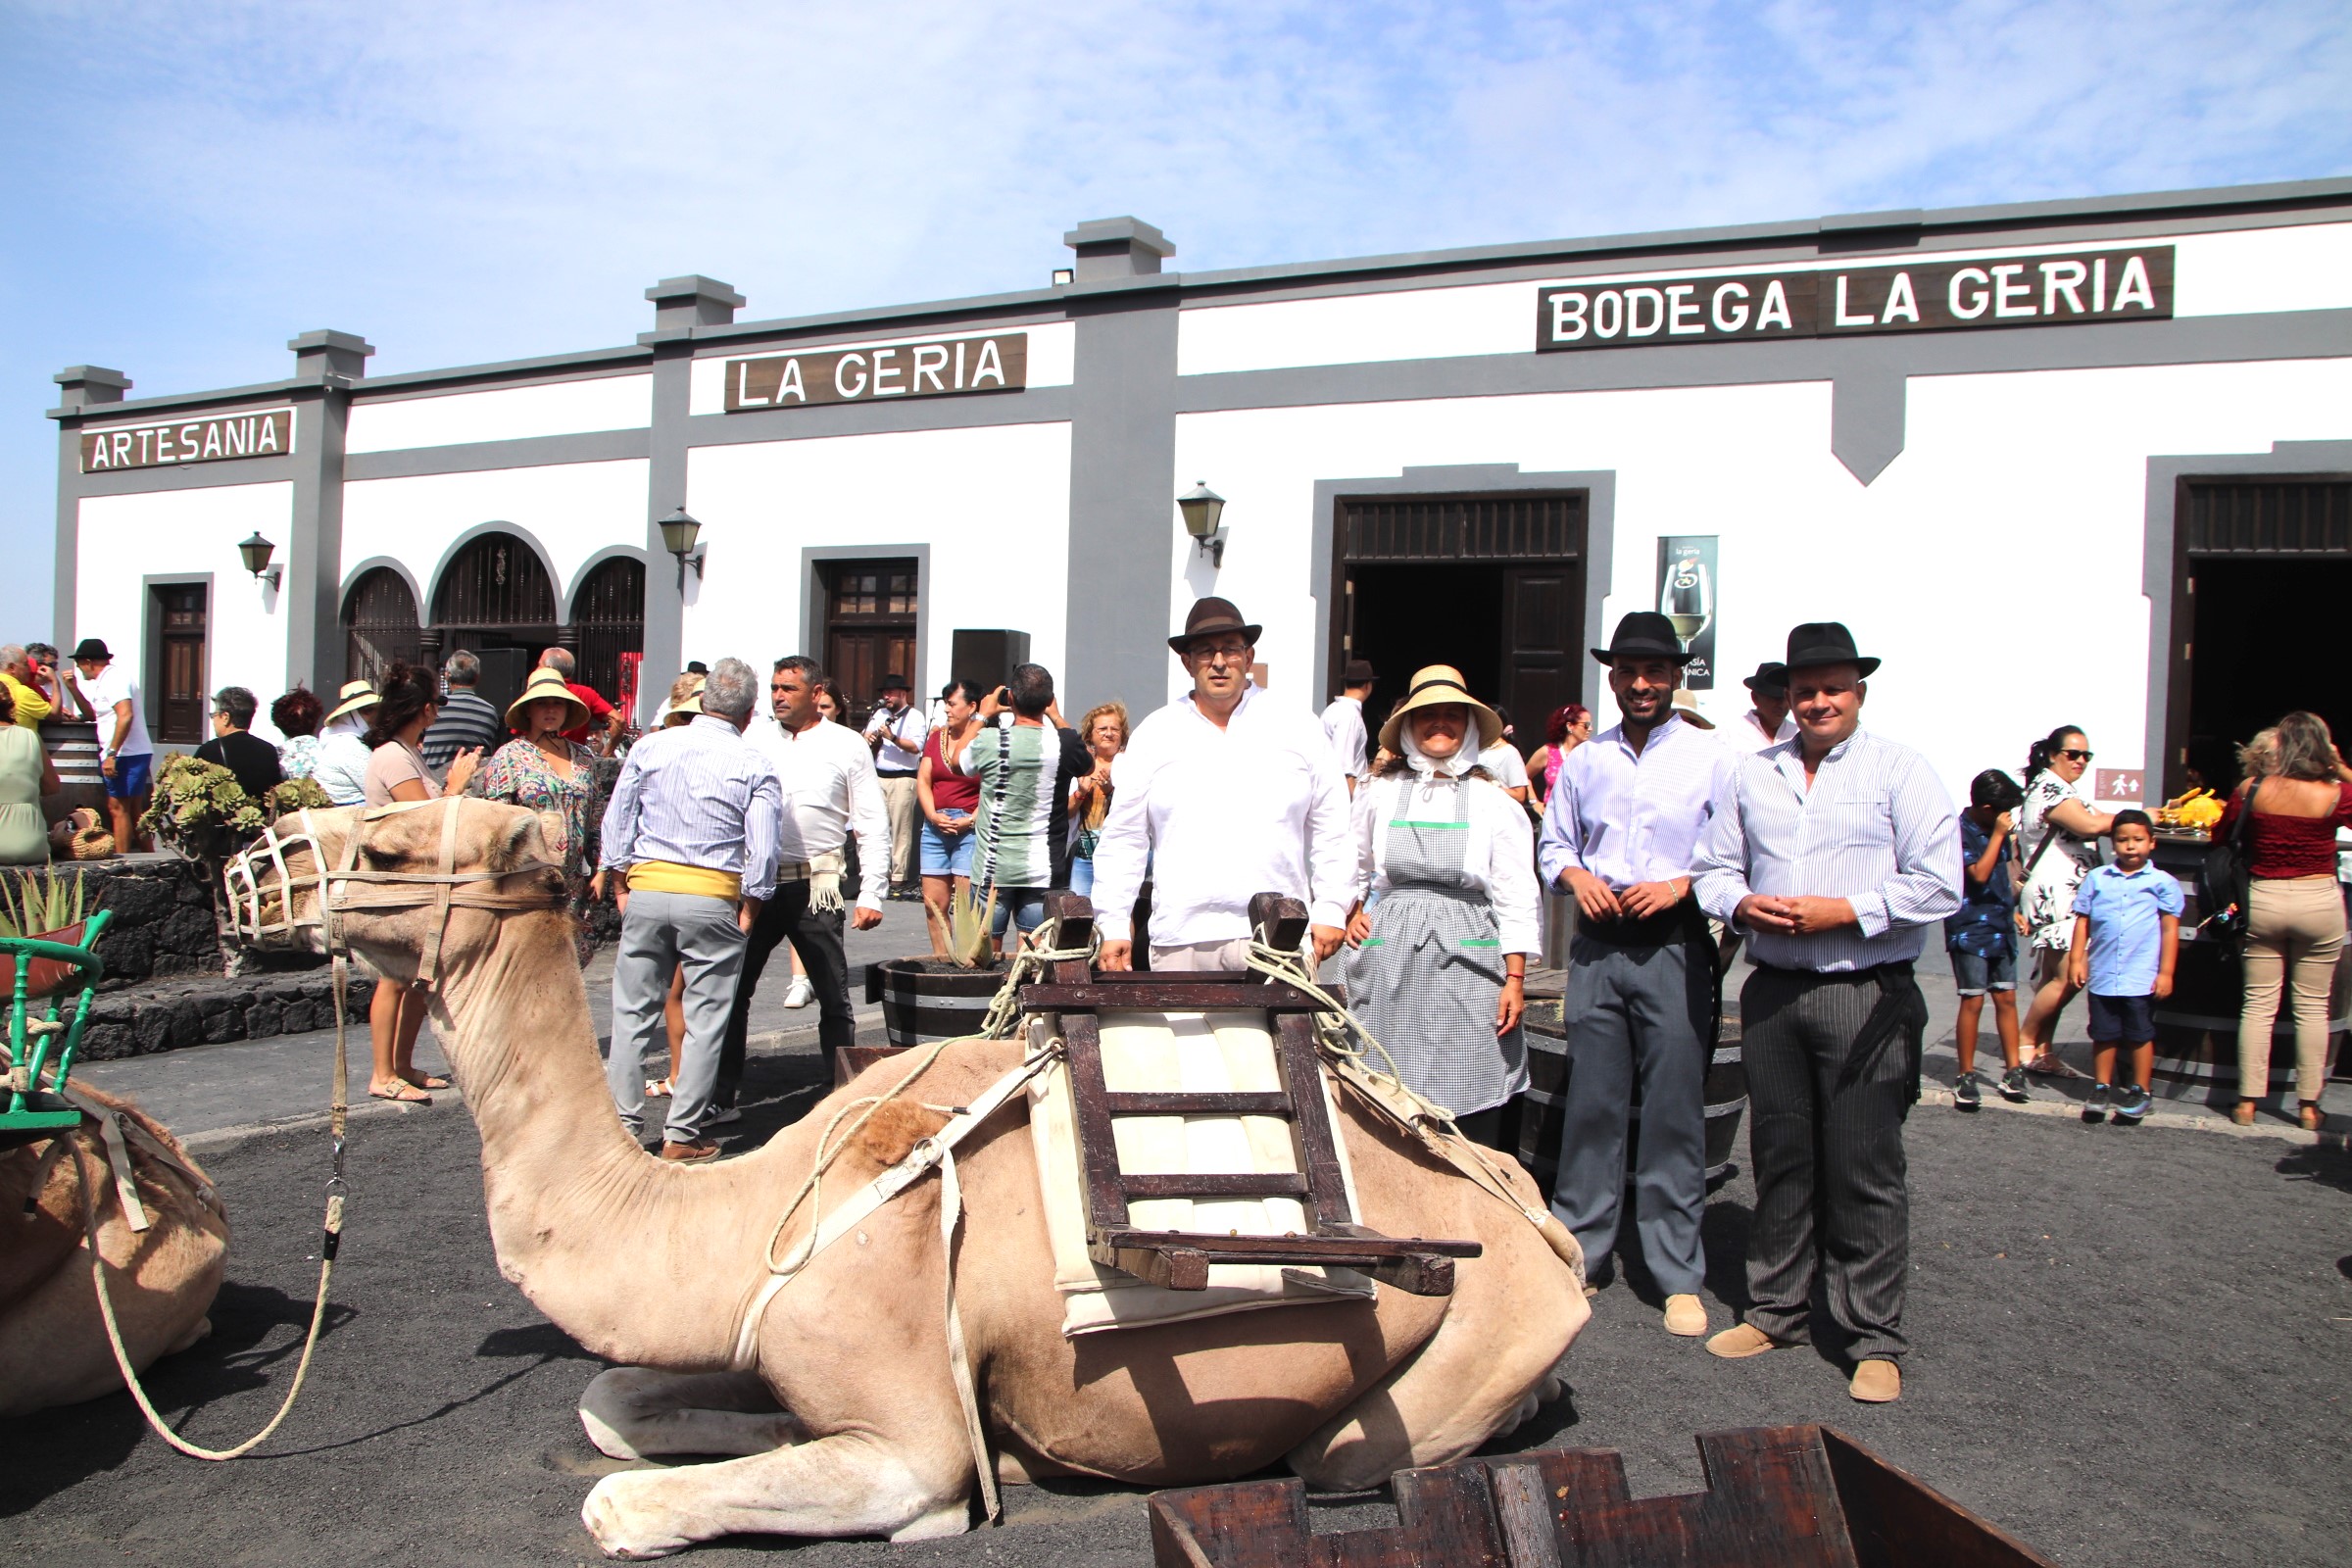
(993, 504)
(125, 539)
(508, 414)
(1995, 565)
(574, 509)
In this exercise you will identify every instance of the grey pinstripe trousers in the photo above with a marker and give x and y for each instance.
(1827, 1157)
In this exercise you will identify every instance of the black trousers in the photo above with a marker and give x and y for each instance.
(1827, 1143)
(816, 938)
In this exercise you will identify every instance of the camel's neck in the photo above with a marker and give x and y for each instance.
(640, 1261)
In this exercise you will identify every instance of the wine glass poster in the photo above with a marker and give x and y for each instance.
(1687, 589)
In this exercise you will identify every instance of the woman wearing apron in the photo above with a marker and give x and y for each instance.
(1446, 913)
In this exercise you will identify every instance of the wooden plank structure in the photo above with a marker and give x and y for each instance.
(1180, 1259)
(1796, 1497)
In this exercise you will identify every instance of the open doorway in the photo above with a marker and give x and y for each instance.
(2266, 569)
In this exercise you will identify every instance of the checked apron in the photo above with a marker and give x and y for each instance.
(1427, 979)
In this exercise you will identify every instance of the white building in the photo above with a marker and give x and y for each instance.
(2086, 461)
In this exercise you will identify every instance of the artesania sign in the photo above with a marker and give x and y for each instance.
(999, 363)
(2123, 285)
(269, 433)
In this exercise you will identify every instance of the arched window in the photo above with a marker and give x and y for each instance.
(495, 600)
(380, 624)
(608, 614)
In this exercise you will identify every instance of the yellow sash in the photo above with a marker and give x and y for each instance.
(668, 876)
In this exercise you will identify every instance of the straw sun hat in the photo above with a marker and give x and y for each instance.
(1431, 686)
(355, 697)
(689, 705)
(543, 684)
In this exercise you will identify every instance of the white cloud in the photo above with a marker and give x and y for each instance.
(461, 181)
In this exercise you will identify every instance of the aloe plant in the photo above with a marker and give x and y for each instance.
(40, 902)
(969, 917)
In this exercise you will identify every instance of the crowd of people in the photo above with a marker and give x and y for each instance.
(1424, 852)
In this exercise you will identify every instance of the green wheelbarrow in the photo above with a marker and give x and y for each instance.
(41, 1050)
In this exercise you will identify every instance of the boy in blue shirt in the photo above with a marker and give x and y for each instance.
(2126, 937)
(1982, 936)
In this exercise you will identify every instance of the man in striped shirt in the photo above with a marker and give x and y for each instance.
(1834, 851)
(466, 719)
(1026, 760)
(692, 823)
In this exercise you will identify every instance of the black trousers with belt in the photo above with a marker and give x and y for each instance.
(1826, 1138)
(817, 939)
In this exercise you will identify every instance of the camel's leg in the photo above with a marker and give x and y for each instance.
(1493, 1360)
(633, 1411)
(850, 1484)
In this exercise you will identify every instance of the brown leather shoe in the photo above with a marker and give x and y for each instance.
(2312, 1116)
(2243, 1113)
(693, 1153)
(1686, 1316)
(1742, 1341)
(1876, 1383)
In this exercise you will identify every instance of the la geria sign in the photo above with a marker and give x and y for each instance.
(945, 368)
(1993, 291)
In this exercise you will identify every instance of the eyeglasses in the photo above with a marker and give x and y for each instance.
(1228, 654)
(2073, 756)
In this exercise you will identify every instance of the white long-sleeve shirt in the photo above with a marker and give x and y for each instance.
(1497, 848)
(1219, 815)
(1746, 733)
(830, 791)
(1628, 817)
(1343, 722)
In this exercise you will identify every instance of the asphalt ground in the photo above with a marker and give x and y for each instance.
(2134, 1347)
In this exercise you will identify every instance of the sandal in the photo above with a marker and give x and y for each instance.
(402, 1090)
(2313, 1118)
(2243, 1113)
(426, 1080)
(657, 1089)
(2047, 1065)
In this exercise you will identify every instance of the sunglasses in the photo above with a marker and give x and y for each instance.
(2073, 756)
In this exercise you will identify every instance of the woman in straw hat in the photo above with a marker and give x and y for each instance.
(1446, 917)
(542, 771)
(342, 765)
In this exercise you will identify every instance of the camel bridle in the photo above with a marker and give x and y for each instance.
(261, 872)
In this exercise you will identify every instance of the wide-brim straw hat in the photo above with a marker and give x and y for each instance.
(355, 696)
(690, 703)
(1433, 686)
(544, 684)
(1686, 705)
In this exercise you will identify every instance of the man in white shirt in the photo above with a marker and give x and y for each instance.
(1343, 722)
(107, 695)
(830, 793)
(1620, 836)
(895, 735)
(1768, 723)
(1223, 794)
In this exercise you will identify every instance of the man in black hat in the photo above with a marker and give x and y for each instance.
(1767, 723)
(1620, 836)
(1224, 792)
(1343, 722)
(895, 735)
(1834, 853)
(106, 693)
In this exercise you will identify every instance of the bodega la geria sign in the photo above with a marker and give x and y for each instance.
(1955, 293)
(945, 368)
(265, 434)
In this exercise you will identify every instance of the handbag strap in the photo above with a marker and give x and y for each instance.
(2049, 833)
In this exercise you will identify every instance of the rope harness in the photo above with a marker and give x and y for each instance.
(252, 878)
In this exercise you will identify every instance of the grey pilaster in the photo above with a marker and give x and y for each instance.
(325, 366)
(85, 386)
(1867, 417)
(1122, 501)
(681, 305)
(1118, 247)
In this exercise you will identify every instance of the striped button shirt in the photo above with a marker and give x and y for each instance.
(1630, 818)
(697, 795)
(1877, 828)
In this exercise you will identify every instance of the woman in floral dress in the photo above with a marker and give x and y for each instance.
(542, 771)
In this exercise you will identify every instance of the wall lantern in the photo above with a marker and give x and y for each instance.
(1203, 510)
(678, 533)
(257, 552)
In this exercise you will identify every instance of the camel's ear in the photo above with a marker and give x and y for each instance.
(524, 839)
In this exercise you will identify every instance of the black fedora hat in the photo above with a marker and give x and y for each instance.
(1213, 618)
(92, 647)
(1644, 634)
(1769, 677)
(896, 683)
(1358, 672)
(1826, 642)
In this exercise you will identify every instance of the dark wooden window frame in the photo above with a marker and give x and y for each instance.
(408, 646)
(816, 561)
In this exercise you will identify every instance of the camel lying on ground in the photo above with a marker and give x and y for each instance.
(849, 1424)
(53, 1347)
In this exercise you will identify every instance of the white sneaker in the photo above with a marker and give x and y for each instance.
(724, 1116)
(800, 993)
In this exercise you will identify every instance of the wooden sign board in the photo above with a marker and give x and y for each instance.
(948, 367)
(267, 434)
(2070, 290)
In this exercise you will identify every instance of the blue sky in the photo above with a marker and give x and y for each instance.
(185, 187)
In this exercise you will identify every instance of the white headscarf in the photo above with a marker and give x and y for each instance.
(1430, 771)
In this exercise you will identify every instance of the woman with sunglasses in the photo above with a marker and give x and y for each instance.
(2058, 835)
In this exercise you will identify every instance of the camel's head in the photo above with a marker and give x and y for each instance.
(379, 868)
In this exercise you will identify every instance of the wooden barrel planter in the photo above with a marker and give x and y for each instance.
(1544, 1107)
(924, 1000)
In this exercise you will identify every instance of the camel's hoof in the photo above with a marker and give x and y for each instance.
(608, 1394)
(952, 1520)
(605, 1514)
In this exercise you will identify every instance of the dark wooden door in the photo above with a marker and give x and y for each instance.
(379, 625)
(176, 699)
(1543, 616)
(870, 626)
